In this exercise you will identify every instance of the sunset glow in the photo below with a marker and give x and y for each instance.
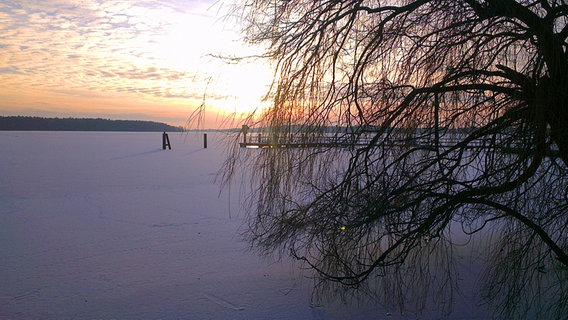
(143, 60)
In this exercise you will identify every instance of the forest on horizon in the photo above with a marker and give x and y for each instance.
(27, 123)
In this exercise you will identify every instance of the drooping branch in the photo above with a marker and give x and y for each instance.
(561, 255)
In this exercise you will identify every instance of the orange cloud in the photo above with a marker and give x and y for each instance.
(150, 59)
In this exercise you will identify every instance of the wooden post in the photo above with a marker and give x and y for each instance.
(166, 141)
(245, 130)
(205, 140)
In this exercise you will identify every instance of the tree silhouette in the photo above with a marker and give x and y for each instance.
(455, 117)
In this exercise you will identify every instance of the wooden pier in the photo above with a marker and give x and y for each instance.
(261, 142)
(257, 140)
(271, 141)
(302, 141)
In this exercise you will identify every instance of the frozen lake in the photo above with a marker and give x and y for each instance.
(106, 225)
(109, 226)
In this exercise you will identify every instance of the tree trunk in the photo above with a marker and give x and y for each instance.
(557, 118)
(554, 93)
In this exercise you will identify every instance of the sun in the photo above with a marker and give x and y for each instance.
(245, 87)
(195, 46)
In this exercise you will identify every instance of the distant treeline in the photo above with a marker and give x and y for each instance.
(21, 123)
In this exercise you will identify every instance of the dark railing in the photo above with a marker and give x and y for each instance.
(346, 140)
(306, 140)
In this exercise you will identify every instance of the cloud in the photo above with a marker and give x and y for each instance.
(10, 70)
(147, 50)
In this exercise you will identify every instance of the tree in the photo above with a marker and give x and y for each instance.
(456, 114)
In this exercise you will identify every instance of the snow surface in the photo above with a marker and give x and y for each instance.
(106, 225)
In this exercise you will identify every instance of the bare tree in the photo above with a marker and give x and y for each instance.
(455, 116)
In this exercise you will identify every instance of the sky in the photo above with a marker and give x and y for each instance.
(130, 59)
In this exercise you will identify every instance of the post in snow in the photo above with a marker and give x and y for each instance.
(245, 130)
(166, 141)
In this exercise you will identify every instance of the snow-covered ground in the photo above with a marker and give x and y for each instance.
(106, 225)
(109, 226)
